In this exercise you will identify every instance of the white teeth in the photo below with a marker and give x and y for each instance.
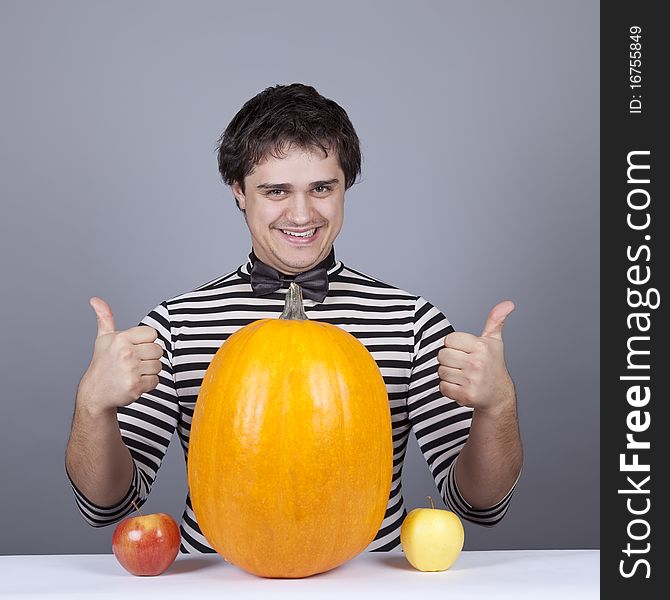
(309, 233)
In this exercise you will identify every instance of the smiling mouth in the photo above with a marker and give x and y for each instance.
(300, 234)
(301, 237)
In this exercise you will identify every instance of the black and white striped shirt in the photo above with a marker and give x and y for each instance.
(402, 331)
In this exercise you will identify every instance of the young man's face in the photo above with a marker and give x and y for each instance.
(302, 193)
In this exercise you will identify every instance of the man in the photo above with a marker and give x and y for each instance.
(289, 155)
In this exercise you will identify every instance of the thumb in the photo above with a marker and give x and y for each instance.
(104, 315)
(496, 319)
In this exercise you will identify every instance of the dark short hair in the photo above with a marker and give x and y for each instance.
(281, 116)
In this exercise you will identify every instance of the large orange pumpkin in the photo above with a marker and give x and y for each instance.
(290, 456)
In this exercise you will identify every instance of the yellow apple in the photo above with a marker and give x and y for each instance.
(432, 538)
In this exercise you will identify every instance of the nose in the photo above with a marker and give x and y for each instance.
(299, 210)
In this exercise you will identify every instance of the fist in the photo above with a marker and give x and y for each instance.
(472, 368)
(125, 364)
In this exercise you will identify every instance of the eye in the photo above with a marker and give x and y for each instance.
(275, 193)
(321, 189)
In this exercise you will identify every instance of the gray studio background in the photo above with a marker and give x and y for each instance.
(479, 124)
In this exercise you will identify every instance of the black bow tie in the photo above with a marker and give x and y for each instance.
(265, 280)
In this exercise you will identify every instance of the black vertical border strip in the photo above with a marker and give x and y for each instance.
(621, 133)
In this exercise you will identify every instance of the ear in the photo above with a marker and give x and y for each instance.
(239, 195)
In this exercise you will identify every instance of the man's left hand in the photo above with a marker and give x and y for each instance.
(472, 368)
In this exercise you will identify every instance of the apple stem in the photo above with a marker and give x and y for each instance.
(136, 507)
(431, 502)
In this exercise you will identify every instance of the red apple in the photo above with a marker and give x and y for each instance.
(146, 544)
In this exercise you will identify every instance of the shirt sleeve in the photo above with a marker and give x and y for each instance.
(441, 426)
(147, 426)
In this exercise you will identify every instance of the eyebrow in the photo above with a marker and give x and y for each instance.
(288, 186)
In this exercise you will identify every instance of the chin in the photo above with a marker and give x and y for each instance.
(303, 260)
(293, 257)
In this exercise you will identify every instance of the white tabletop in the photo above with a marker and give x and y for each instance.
(499, 575)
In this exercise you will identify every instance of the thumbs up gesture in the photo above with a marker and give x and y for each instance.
(472, 368)
(125, 364)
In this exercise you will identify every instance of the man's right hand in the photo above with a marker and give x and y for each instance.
(125, 364)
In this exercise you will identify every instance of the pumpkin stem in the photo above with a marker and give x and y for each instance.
(293, 309)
